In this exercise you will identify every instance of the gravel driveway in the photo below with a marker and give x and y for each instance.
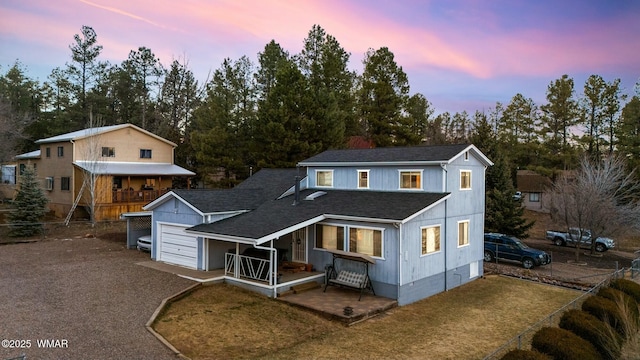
(86, 293)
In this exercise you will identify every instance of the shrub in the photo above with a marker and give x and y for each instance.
(618, 297)
(605, 310)
(524, 355)
(628, 287)
(605, 339)
(562, 344)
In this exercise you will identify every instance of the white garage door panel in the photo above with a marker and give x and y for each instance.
(176, 247)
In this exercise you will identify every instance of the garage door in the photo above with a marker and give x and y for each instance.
(177, 247)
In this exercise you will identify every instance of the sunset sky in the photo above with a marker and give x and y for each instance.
(461, 54)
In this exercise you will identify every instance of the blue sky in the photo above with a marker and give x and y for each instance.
(461, 54)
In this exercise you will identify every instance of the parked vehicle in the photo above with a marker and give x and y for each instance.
(509, 248)
(517, 196)
(144, 243)
(562, 238)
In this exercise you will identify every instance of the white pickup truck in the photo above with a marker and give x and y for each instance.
(562, 238)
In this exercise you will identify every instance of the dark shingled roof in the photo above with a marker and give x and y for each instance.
(276, 215)
(264, 185)
(388, 154)
(531, 181)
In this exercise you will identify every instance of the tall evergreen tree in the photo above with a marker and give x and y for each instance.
(29, 206)
(628, 132)
(503, 214)
(560, 114)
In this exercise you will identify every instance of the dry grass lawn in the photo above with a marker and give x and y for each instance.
(469, 322)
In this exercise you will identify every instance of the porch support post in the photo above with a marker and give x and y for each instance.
(236, 266)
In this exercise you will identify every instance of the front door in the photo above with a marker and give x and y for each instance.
(299, 246)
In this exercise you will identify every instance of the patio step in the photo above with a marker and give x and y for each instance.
(297, 289)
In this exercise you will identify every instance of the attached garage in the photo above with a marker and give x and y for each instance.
(177, 247)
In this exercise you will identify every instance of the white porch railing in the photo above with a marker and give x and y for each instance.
(250, 267)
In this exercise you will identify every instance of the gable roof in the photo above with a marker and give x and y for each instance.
(410, 155)
(277, 217)
(80, 134)
(264, 185)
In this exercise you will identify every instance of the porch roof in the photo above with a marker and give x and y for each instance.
(132, 168)
(278, 217)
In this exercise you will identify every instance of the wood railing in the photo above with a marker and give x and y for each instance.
(126, 196)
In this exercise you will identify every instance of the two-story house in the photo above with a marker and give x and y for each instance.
(414, 215)
(126, 167)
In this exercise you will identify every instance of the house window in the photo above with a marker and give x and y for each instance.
(411, 179)
(330, 237)
(465, 179)
(430, 239)
(47, 151)
(365, 241)
(60, 151)
(65, 183)
(534, 197)
(363, 179)
(49, 183)
(463, 233)
(108, 151)
(145, 153)
(324, 178)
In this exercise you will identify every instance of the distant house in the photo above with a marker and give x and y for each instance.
(132, 167)
(415, 215)
(534, 188)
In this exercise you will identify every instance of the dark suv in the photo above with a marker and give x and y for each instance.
(509, 248)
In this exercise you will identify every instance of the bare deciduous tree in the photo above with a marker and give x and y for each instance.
(600, 197)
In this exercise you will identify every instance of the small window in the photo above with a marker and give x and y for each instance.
(465, 179)
(466, 156)
(411, 179)
(108, 151)
(49, 183)
(365, 241)
(463, 233)
(324, 178)
(145, 153)
(47, 151)
(330, 237)
(363, 179)
(65, 183)
(60, 151)
(534, 197)
(430, 239)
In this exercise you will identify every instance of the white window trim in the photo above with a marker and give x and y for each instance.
(346, 237)
(358, 179)
(468, 233)
(470, 180)
(49, 183)
(400, 171)
(426, 227)
(324, 186)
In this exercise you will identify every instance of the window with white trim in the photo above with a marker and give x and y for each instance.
(145, 153)
(49, 183)
(411, 179)
(363, 179)
(465, 179)
(534, 197)
(365, 241)
(324, 178)
(60, 151)
(430, 239)
(463, 233)
(329, 237)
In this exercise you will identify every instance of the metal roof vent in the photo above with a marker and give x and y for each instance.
(315, 195)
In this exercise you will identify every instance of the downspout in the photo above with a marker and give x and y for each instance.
(444, 189)
(399, 226)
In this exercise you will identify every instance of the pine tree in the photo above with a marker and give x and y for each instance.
(29, 206)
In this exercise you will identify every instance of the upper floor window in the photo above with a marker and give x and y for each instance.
(60, 151)
(411, 179)
(465, 179)
(463, 233)
(65, 183)
(47, 151)
(430, 239)
(145, 153)
(109, 151)
(363, 179)
(49, 183)
(324, 178)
